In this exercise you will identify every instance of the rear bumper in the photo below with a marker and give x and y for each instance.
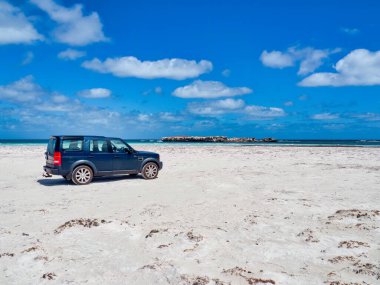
(51, 170)
(160, 165)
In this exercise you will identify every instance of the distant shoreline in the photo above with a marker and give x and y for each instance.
(216, 139)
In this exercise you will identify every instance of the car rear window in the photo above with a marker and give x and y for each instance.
(51, 146)
(72, 144)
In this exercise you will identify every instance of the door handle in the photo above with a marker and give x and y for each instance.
(116, 156)
(90, 156)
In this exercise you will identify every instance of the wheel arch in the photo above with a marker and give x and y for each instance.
(83, 162)
(149, 159)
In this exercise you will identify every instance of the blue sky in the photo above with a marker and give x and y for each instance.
(146, 69)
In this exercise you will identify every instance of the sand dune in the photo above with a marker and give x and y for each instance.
(215, 215)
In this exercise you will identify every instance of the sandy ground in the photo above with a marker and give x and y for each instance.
(215, 215)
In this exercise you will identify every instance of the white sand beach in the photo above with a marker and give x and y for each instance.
(215, 215)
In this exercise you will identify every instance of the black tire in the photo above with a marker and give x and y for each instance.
(82, 175)
(150, 170)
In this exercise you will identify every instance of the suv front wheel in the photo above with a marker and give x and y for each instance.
(150, 170)
(82, 175)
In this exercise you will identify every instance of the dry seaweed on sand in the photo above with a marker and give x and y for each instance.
(87, 223)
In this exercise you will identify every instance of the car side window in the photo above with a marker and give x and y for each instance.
(72, 145)
(119, 146)
(99, 145)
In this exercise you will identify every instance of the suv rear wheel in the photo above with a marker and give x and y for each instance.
(82, 175)
(150, 170)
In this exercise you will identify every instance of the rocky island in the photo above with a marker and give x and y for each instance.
(218, 139)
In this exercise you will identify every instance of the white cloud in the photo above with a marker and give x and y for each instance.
(71, 54)
(95, 93)
(368, 116)
(325, 116)
(309, 58)
(144, 117)
(62, 107)
(28, 58)
(15, 28)
(58, 98)
(276, 59)
(359, 67)
(130, 66)
(226, 72)
(169, 117)
(209, 89)
(23, 90)
(236, 106)
(158, 90)
(289, 103)
(261, 112)
(350, 31)
(217, 107)
(74, 28)
(312, 59)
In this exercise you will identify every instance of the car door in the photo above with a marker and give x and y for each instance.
(123, 158)
(101, 155)
(72, 150)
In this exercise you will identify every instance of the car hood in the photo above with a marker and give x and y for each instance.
(146, 153)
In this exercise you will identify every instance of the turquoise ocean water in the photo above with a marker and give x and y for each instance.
(294, 143)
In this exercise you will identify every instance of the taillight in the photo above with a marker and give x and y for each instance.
(57, 158)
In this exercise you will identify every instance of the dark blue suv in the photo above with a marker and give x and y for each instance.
(80, 158)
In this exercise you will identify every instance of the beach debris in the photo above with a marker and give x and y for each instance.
(352, 244)
(244, 273)
(149, 266)
(153, 210)
(87, 223)
(191, 249)
(40, 257)
(164, 245)
(257, 281)
(309, 235)
(367, 269)
(44, 211)
(33, 248)
(355, 213)
(345, 283)
(195, 238)
(220, 282)
(158, 265)
(24, 234)
(339, 259)
(6, 254)
(49, 276)
(251, 219)
(195, 280)
(237, 271)
(155, 231)
(151, 233)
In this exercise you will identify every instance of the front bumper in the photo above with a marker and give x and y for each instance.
(51, 170)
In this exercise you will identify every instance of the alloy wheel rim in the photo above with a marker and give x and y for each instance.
(151, 171)
(83, 175)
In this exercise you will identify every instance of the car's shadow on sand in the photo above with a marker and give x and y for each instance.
(62, 181)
